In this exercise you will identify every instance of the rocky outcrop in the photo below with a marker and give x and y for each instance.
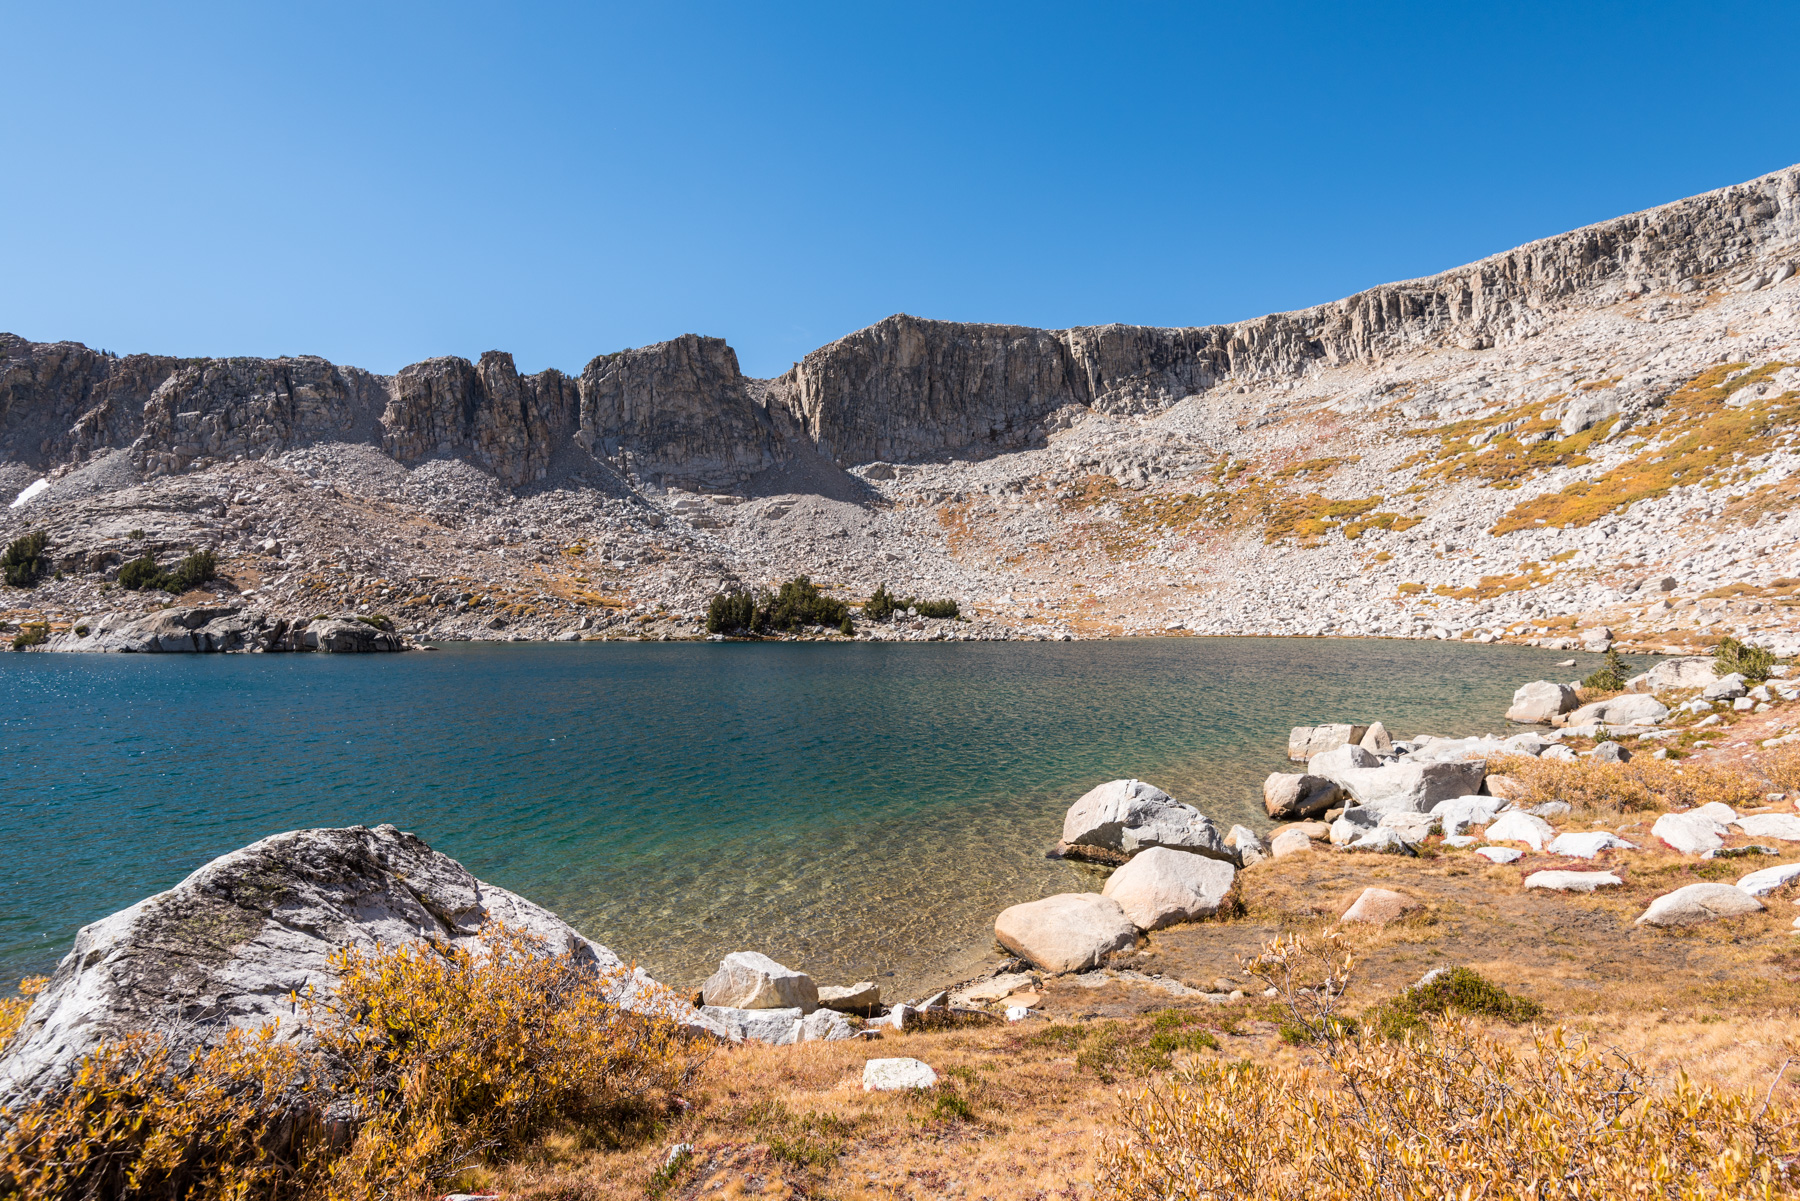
(679, 413)
(487, 411)
(222, 629)
(230, 945)
(1122, 817)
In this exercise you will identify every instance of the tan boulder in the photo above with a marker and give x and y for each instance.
(1069, 932)
(1379, 906)
(1161, 887)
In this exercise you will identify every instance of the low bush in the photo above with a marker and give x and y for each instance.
(1455, 990)
(139, 574)
(426, 1064)
(190, 573)
(24, 562)
(1751, 662)
(1642, 785)
(31, 634)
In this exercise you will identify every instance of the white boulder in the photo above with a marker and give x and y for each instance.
(1379, 906)
(1631, 708)
(1459, 813)
(1783, 827)
(1126, 816)
(777, 1027)
(1572, 881)
(751, 980)
(1693, 671)
(1160, 887)
(1500, 854)
(863, 998)
(1537, 702)
(1070, 932)
(1306, 741)
(1588, 845)
(1413, 787)
(894, 1075)
(1765, 880)
(1518, 826)
(1691, 833)
(1699, 903)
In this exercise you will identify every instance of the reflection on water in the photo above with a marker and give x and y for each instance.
(848, 809)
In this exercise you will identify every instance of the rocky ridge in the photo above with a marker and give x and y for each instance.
(1588, 439)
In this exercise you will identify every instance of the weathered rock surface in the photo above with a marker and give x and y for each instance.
(1690, 833)
(1307, 741)
(1413, 787)
(1289, 842)
(1459, 813)
(863, 998)
(1631, 708)
(1500, 854)
(1699, 903)
(1687, 671)
(751, 980)
(1763, 881)
(1572, 881)
(1516, 826)
(1783, 827)
(1127, 816)
(221, 629)
(230, 944)
(1295, 797)
(1069, 932)
(1536, 703)
(1161, 887)
(892, 1075)
(1379, 906)
(1587, 845)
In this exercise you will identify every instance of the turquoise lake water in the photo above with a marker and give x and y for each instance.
(852, 810)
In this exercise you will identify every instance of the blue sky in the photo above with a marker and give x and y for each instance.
(380, 183)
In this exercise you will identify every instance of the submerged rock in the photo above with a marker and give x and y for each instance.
(229, 945)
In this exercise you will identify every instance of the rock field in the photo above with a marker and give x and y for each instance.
(1589, 439)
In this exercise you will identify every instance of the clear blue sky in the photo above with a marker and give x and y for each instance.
(380, 183)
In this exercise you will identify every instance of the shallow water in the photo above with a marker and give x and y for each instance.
(852, 810)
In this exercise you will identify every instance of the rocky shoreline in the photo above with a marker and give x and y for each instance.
(227, 946)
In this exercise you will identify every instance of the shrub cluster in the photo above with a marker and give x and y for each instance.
(190, 573)
(1751, 662)
(1443, 1111)
(797, 604)
(31, 634)
(1642, 785)
(883, 604)
(423, 1065)
(1456, 990)
(24, 561)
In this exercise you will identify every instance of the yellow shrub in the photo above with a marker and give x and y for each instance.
(13, 1009)
(1642, 784)
(1451, 1115)
(423, 1064)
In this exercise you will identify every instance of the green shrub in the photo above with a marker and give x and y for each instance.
(883, 604)
(191, 572)
(35, 634)
(1611, 675)
(951, 1108)
(24, 560)
(797, 604)
(1751, 662)
(139, 574)
(1460, 990)
(847, 627)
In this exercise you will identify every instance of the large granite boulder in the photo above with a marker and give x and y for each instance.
(1289, 797)
(1692, 671)
(229, 945)
(1123, 817)
(751, 980)
(1699, 903)
(1627, 709)
(1161, 887)
(344, 635)
(193, 629)
(1537, 702)
(1069, 932)
(1306, 741)
(1414, 787)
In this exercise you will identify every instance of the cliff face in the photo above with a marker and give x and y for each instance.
(904, 388)
(679, 410)
(506, 422)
